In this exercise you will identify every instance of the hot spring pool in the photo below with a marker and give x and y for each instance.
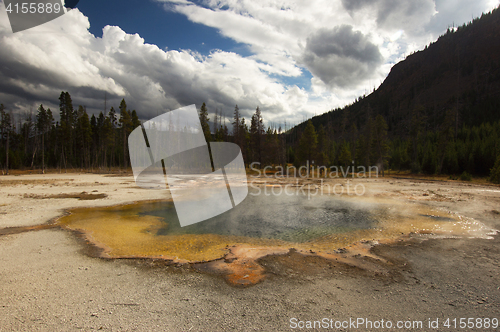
(321, 223)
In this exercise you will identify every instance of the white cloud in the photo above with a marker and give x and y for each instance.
(341, 57)
(280, 35)
(347, 45)
(277, 31)
(63, 55)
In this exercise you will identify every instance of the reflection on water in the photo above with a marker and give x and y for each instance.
(440, 218)
(323, 223)
(288, 218)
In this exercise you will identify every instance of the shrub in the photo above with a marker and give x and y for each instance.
(495, 172)
(415, 168)
(465, 176)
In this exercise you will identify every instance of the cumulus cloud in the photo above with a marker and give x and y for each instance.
(347, 46)
(36, 65)
(449, 12)
(286, 37)
(409, 15)
(341, 57)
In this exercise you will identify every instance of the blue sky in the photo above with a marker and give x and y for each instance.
(157, 26)
(293, 59)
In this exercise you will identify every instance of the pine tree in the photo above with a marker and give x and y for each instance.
(257, 131)
(367, 155)
(416, 127)
(95, 140)
(6, 127)
(216, 124)
(204, 122)
(271, 147)
(429, 159)
(322, 158)
(236, 125)
(381, 142)
(446, 135)
(225, 133)
(495, 172)
(112, 137)
(108, 139)
(353, 134)
(112, 117)
(66, 113)
(26, 132)
(84, 134)
(100, 139)
(125, 121)
(308, 144)
(42, 124)
(345, 156)
(135, 120)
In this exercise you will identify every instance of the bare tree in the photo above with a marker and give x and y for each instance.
(6, 127)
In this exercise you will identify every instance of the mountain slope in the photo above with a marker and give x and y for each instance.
(458, 74)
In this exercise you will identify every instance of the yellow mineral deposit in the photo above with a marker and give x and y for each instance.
(129, 231)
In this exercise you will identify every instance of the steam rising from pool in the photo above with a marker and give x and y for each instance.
(324, 223)
(290, 218)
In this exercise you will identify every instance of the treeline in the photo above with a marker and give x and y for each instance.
(444, 149)
(258, 144)
(441, 106)
(76, 141)
(273, 146)
(471, 150)
(466, 151)
(350, 147)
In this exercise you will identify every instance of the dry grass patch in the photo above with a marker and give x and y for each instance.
(83, 196)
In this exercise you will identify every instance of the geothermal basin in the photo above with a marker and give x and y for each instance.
(272, 223)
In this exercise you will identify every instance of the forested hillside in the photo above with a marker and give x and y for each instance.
(441, 106)
(36, 141)
(437, 112)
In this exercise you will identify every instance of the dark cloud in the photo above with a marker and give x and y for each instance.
(341, 57)
(447, 13)
(418, 18)
(120, 65)
(37, 65)
(409, 15)
(24, 86)
(353, 5)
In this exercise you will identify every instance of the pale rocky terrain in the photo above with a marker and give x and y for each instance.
(49, 283)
